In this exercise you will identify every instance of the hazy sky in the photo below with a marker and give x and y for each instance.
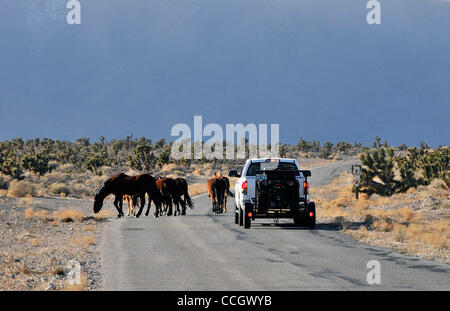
(140, 66)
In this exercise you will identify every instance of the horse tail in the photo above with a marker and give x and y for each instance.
(188, 199)
(227, 188)
(177, 199)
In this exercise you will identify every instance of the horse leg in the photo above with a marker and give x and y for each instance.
(116, 204)
(149, 205)
(134, 201)
(225, 203)
(128, 205)
(169, 206)
(157, 208)
(175, 207)
(121, 206)
(142, 199)
(183, 212)
(213, 202)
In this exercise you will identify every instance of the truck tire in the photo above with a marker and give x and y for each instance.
(247, 222)
(241, 217)
(312, 220)
(236, 216)
(299, 221)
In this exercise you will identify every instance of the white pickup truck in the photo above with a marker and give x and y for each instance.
(273, 188)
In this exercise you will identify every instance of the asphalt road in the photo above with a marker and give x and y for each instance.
(202, 251)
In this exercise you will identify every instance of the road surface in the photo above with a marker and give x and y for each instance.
(202, 251)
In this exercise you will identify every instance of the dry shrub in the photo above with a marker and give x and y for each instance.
(83, 241)
(29, 213)
(342, 222)
(42, 192)
(60, 189)
(172, 168)
(68, 215)
(104, 214)
(436, 239)
(344, 196)
(196, 189)
(414, 231)
(43, 214)
(24, 269)
(331, 211)
(411, 190)
(444, 205)
(378, 200)
(382, 225)
(20, 189)
(406, 213)
(442, 226)
(360, 207)
(89, 228)
(34, 242)
(82, 190)
(3, 193)
(364, 232)
(400, 232)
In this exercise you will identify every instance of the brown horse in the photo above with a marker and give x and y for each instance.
(181, 187)
(227, 190)
(132, 202)
(168, 189)
(216, 189)
(136, 186)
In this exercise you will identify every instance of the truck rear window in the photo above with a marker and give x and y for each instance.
(283, 166)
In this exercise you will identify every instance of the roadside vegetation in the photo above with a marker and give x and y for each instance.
(47, 167)
(414, 222)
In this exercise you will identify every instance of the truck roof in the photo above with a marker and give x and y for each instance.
(266, 159)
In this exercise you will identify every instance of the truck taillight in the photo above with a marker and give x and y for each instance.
(244, 185)
(305, 185)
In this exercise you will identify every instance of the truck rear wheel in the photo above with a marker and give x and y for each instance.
(236, 216)
(241, 217)
(299, 221)
(312, 220)
(248, 222)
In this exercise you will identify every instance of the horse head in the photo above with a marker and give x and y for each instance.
(98, 199)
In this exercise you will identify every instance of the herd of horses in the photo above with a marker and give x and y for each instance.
(167, 194)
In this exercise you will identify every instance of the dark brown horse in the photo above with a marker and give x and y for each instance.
(167, 187)
(227, 190)
(135, 186)
(219, 190)
(182, 190)
(216, 189)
